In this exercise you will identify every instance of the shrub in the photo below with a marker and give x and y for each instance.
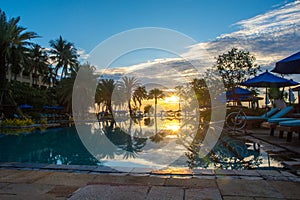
(44, 121)
(17, 122)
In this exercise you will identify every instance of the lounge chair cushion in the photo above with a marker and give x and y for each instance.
(262, 117)
(270, 112)
(291, 123)
(283, 112)
(277, 120)
(254, 118)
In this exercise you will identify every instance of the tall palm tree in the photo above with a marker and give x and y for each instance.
(65, 88)
(64, 55)
(14, 43)
(50, 77)
(129, 85)
(38, 63)
(156, 94)
(104, 93)
(139, 95)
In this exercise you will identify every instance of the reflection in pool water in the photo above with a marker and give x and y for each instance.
(146, 142)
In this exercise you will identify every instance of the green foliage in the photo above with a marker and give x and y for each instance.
(236, 66)
(64, 55)
(23, 93)
(17, 122)
(104, 92)
(14, 43)
(275, 93)
(43, 121)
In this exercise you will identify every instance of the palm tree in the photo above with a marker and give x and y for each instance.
(50, 77)
(104, 93)
(139, 95)
(128, 85)
(156, 94)
(38, 63)
(14, 43)
(65, 88)
(64, 55)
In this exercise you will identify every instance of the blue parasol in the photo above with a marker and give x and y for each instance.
(289, 65)
(266, 80)
(238, 91)
(25, 106)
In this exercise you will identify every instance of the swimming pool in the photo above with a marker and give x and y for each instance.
(154, 143)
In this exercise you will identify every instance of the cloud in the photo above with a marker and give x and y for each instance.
(82, 54)
(269, 37)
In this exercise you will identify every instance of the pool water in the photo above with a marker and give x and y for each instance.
(138, 143)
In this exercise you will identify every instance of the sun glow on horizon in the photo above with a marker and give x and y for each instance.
(172, 99)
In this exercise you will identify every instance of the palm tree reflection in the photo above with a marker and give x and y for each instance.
(129, 144)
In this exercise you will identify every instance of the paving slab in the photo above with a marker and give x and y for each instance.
(133, 180)
(62, 191)
(29, 196)
(3, 185)
(70, 179)
(22, 176)
(123, 169)
(246, 172)
(204, 172)
(99, 192)
(23, 188)
(193, 182)
(264, 198)
(204, 177)
(225, 172)
(104, 169)
(161, 192)
(70, 167)
(141, 170)
(203, 193)
(248, 188)
(290, 190)
(238, 198)
(251, 177)
(269, 173)
(142, 181)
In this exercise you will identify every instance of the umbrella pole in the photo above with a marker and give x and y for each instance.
(266, 101)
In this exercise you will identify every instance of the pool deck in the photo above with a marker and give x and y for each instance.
(44, 181)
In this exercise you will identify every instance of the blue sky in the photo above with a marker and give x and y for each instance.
(86, 23)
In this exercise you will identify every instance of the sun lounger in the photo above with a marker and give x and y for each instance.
(272, 114)
(264, 116)
(271, 123)
(290, 127)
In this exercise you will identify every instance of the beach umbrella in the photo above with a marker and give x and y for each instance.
(289, 65)
(266, 80)
(57, 107)
(238, 91)
(25, 106)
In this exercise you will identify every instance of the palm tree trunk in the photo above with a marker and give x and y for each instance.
(129, 107)
(31, 79)
(3, 81)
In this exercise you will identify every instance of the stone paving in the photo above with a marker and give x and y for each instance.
(20, 181)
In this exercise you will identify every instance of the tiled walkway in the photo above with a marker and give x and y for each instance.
(21, 181)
